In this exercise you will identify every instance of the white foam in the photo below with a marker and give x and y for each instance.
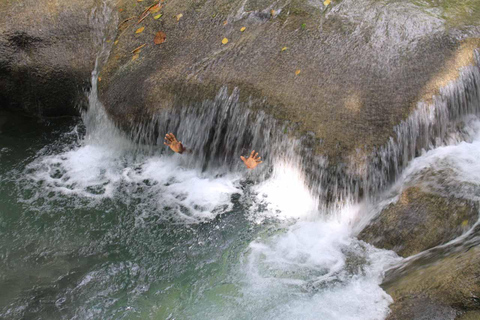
(316, 270)
(98, 172)
(285, 195)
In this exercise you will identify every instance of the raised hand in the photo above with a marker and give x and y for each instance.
(252, 161)
(173, 143)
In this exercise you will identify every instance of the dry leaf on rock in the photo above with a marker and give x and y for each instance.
(298, 72)
(179, 16)
(326, 2)
(160, 37)
(225, 41)
(140, 30)
(284, 48)
(242, 29)
(155, 8)
(135, 57)
(157, 16)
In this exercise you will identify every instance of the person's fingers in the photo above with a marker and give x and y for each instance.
(260, 162)
(258, 159)
(256, 155)
(167, 137)
(165, 143)
(243, 159)
(252, 153)
(173, 136)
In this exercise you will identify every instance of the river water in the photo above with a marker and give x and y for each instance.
(94, 225)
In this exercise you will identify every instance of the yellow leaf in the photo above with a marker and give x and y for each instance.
(272, 12)
(465, 223)
(140, 30)
(284, 48)
(225, 22)
(139, 0)
(108, 41)
(242, 29)
(179, 16)
(225, 41)
(157, 16)
(326, 2)
(298, 72)
(115, 43)
(99, 79)
(135, 57)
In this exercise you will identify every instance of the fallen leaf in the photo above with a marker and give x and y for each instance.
(157, 16)
(298, 72)
(284, 48)
(272, 12)
(326, 2)
(225, 22)
(99, 79)
(135, 57)
(140, 30)
(139, 0)
(225, 41)
(120, 10)
(242, 29)
(115, 43)
(138, 49)
(108, 41)
(179, 16)
(160, 37)
(303, 26)
(155, 8)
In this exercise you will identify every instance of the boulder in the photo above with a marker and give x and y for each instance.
(420, 220)
(47, 53)
(446, 289)
(347, 72)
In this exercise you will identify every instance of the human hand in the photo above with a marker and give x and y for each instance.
(252, 161)
(173, 143)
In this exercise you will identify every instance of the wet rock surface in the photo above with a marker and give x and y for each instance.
(420, 220)
(362, 66)
(47, 53)
(446, 289)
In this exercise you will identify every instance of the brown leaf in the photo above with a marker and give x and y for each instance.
(137, 50)
(155, 8)
(135, 57)
(179, 16)
(160, 37)
(140, 30)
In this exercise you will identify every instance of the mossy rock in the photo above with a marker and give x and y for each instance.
(447, 289)
(420, 220)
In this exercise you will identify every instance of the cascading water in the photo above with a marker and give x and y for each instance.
(106, 225)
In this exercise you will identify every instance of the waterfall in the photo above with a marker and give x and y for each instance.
(220, 130)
